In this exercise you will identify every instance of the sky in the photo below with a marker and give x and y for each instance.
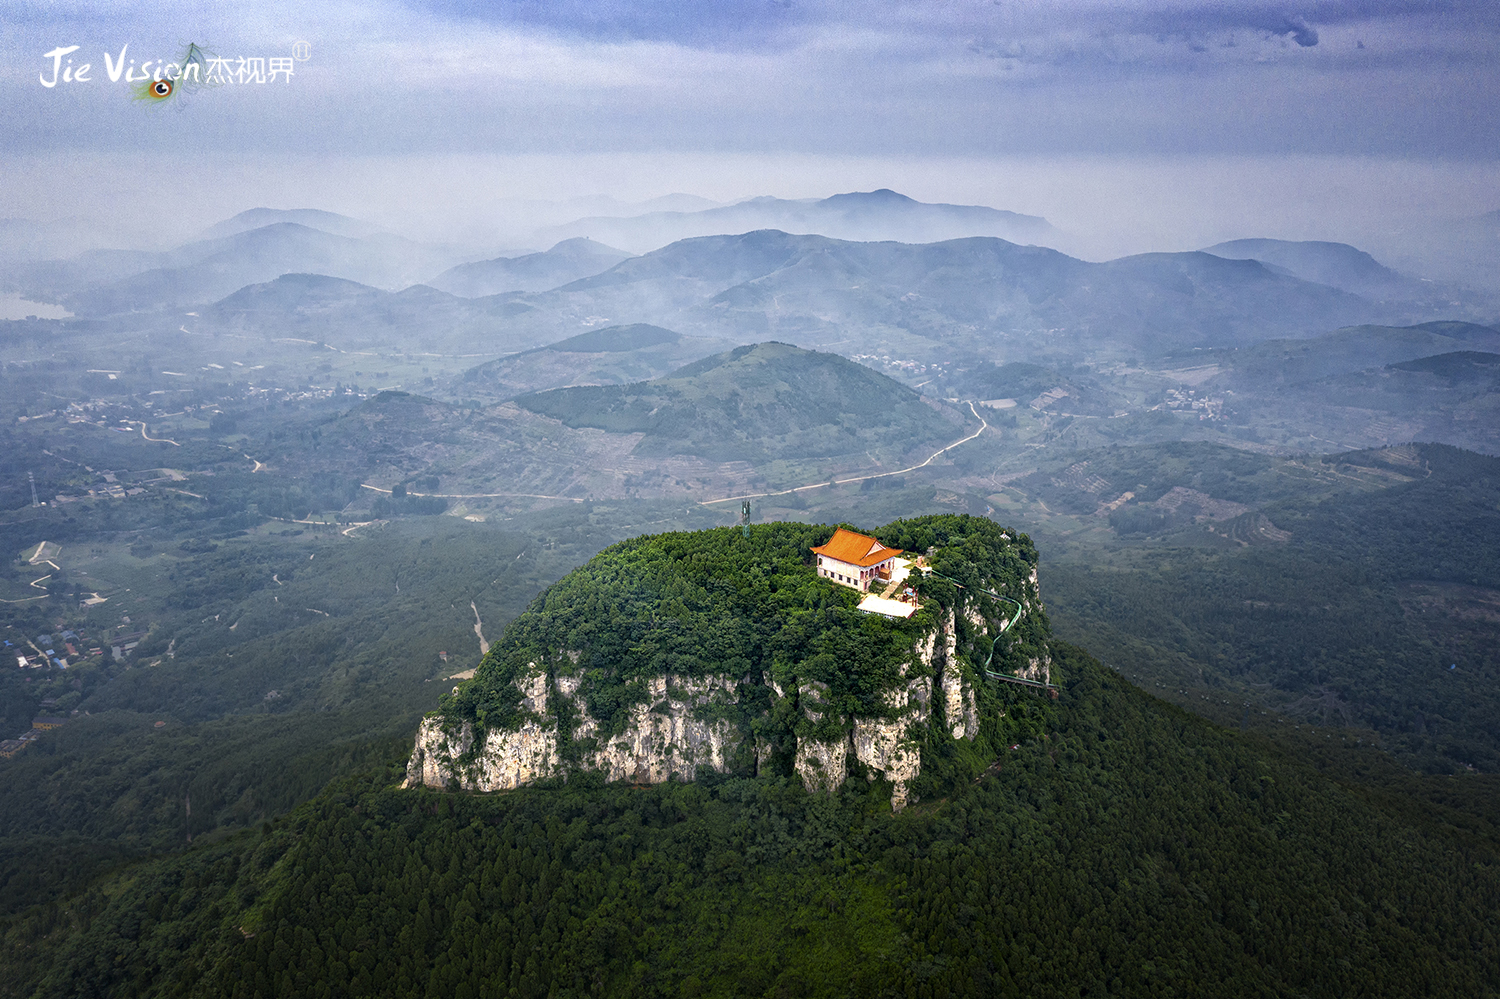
(1142, 125)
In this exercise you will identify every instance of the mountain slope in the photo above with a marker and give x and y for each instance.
(353, 316)
(1122, 847)
(1367, 386)
(755, 403)
(1337, 265)
(567, 261)
(1343, 351)
(609, 356)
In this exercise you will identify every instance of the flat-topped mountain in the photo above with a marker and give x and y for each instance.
(730, 651)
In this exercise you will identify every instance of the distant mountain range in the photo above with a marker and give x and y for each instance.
(258, 218)
(976, 294)
(567, 261)
(862, 217)
(1366, 386)
(1452, 397)
(106, 282)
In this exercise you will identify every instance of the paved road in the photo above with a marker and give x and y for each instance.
(983, 426)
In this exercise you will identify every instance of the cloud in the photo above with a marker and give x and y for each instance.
(1298, 29)
(859, 77)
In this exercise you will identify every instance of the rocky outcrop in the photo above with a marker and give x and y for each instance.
(822, 765)
(445, 757)
(666, 736)
(891, 747)
(959, 707)
(888, 748)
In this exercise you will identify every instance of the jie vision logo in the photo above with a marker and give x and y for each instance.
(160, 78)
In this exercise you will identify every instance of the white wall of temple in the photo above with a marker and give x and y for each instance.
(849, 574)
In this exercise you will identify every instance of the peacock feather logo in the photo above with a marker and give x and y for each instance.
(188, 73)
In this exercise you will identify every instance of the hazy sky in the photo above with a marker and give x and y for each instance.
(1157, 122)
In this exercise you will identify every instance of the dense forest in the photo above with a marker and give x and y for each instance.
(1121, 847)
(1372, 609)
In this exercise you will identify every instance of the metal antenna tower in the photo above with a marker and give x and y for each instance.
(745, 518)
(30, 477)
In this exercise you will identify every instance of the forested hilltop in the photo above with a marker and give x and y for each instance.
(726, 649)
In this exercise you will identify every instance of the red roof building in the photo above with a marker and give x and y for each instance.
(855, 560)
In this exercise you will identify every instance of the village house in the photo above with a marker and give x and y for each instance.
(855, 560)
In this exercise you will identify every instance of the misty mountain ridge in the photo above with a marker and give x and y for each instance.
(353, 316)
(1365, 386)
(568, 261)
(975, 294)
(604, 204)
(211, 270)
(861, 217)
(258, 218)
(1451, 397)
(1337, 265)
(24, 239)
(613, 340)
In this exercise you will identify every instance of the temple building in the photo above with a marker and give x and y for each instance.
(855, 560)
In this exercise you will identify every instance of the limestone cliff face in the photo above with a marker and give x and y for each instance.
(1038, 668)
(664, 737)
(683, 724)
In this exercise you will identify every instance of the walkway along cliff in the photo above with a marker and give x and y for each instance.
(670, 654)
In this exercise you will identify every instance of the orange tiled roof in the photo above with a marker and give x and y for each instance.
(856, 549)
